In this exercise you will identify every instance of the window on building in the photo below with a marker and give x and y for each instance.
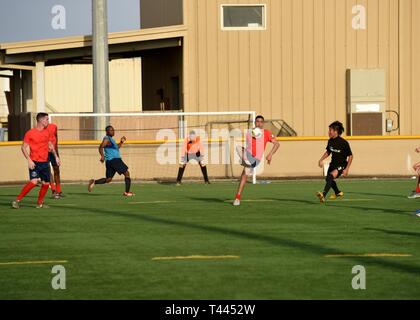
(243, 16)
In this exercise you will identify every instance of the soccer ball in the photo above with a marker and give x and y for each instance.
(257, 133)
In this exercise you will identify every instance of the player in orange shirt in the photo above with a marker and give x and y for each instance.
(38, 141)
(55, 181)
(192, 148)
(252, 155)
(416, 193)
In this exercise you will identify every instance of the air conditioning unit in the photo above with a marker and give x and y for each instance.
(366, 101)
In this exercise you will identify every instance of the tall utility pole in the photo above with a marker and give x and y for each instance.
(100, 64)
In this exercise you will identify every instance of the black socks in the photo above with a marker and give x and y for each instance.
(330, 180)
(127, 184)
(335, 188)
(180, 174)
(204, 172)
(100, 181)
(181, 171)
(330, 184)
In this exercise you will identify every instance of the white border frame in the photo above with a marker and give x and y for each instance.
(263, 5)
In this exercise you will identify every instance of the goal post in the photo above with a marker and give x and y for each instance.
(163, 132)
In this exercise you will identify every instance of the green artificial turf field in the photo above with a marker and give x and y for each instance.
(279, 242)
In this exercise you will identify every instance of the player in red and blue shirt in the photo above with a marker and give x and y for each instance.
(36, 146)
(55, 182)
(252, 155)
(416, 168)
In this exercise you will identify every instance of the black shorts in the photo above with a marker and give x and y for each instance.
(339, 168)
(41, 171)
(51, 159)
(115, 166)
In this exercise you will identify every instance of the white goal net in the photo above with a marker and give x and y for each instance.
(153, 149)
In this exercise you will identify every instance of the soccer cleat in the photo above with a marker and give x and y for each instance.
(15, 205)
(60, 194)
(321, 197)
(42, 206)
(91, 185)
(414, 195)
(418, 213)
(237, 202)
(128, 194)
(206, 182)
(337, 196)
(55, 195)
(178, 184)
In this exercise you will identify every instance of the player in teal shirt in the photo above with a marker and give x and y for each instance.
(110, 154)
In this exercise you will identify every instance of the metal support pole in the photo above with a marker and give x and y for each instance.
(100, 65)
(40, 86)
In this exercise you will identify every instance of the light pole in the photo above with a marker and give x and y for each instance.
(100, 64)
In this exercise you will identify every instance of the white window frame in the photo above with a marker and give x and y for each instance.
(264, 17)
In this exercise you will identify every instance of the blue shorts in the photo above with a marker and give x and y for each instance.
(115, 166)
(41, 171)
(252, 160)
(51, 159)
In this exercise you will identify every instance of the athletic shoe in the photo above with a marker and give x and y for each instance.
(42, 206)
(414, 195)
(178, 184)
(56, 195)
(321, 197)
(237, 202)
(418, 213)
(61, 195)
(128, 194)
(15, 205)
(206, 182)
(91, 185)
(336, 196)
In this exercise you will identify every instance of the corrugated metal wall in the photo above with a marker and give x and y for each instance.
(295, 70)
(68, 88)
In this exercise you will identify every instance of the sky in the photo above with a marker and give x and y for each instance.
(24, 20)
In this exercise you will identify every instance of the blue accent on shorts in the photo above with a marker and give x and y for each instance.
(41, 171)
(252, 160)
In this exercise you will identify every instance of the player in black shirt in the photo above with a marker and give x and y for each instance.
(342, 158)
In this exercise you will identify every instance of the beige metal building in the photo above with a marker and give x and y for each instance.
(296, 60)
(291, 68)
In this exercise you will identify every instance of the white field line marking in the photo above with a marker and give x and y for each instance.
(368, 255)
(150, 202)
(196, 257)
(15, 263)
(255, 200)
(349, 200)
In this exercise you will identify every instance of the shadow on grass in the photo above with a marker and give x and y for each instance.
(385, 210)
(301, 201)
(277, 241)
(167, 182)
(91, 194)
(217, 200)
(377, 194)
(396, 232)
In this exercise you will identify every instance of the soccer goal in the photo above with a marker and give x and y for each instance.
(155, 140)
